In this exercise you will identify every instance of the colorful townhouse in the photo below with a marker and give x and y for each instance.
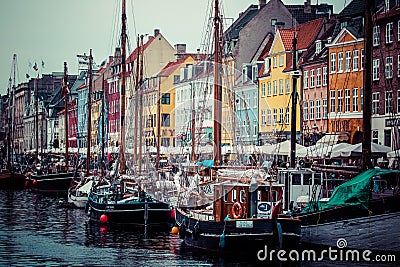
(276, 81)
(386, 75)
(346, 71)
(314, 68)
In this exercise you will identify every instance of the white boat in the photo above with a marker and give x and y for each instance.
(78, 193)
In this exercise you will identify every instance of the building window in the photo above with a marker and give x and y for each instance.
(340, 62)
(165, 120)
(268, 88)
(355, 99)
(281, 87)
(318, 46)
(398, 30)
(340, 101)
(165, 142)
(318, 83)
(275, 62)
(376, 36)
(375, 135)
(355, 60)
(263, 117)
(389, 33)
(275, 87)
(305, 79)
(375, 103)
(348, 60)
(389, 68)
(375, 69)
(281, 60)
(287, 115)
(333, 101)
(398, 66)
(398, 101)
(263, 90)
(362, 59)
(318, 109)
(305, 111)
(267, 63)
(347, 100)
(274, 116)
(333, 62)
(312, 78)
(362, 99)
(268, 117)
(324, 108)
(281, 121)
(287, 86)
(389, 102)
(324, 76)
(166, 99)
(311, 110)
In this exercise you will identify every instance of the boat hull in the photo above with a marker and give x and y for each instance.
(237, 237)
(54, 184)
(368, 232)
(140, 214)
(12, 181)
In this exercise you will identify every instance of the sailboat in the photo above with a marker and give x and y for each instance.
(10, 176)
(57, 183)
(244, 215)
(364, 212)
(119, 199)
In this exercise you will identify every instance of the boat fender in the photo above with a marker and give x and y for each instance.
(222, 241)
(237, 211)
(276, 210)
(182, 230)
(196, 231)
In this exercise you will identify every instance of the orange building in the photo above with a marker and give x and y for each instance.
(345, 93)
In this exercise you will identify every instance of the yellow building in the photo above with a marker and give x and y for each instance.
(163, 86)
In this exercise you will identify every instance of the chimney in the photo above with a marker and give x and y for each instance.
(156, 32)
(261, 3)
(180, 50)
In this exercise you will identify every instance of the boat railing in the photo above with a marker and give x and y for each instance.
(204, 215)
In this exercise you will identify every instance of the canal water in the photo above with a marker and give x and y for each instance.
(36, 230)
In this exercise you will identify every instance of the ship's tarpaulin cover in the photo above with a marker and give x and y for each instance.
(353, 192)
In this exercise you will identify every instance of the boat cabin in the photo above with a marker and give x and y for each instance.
(243, 201)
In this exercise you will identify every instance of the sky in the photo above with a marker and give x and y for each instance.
(54, 31)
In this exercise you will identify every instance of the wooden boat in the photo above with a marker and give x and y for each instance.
(242, 218)
(124, 203)
(364, 211)
(53, 184)
(78, 192)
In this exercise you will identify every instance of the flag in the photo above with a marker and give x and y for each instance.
(35, 67)
(27, 76)
(42, 64)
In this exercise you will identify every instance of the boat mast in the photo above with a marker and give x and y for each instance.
(102, 125)
(89, 120)
(13, 106)
(367, 112)
(158, 123)
(294, 104)
(140, 103)
(122, 100)
(65, 89)
(136, 126)
(193, 155)
(9, 120)
(37, 117)
(217, 85)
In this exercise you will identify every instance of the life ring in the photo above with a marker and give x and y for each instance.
(237, 211)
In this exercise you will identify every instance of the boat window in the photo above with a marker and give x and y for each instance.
(234, 195)
(307, 178)
(296, 179)
(226, 195)
(258, 195)
(242, 196)
(272, 195)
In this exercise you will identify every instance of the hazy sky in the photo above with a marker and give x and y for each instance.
(54, 31)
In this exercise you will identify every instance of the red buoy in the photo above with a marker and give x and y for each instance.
(34, 182)
(103, 218)
(172, 213)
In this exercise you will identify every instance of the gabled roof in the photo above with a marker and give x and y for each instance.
(306, 33)
(134, 55)
(172, 66)
(233, 31)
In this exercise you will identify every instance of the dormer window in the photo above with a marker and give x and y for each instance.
(318, 46)
(267, 64)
